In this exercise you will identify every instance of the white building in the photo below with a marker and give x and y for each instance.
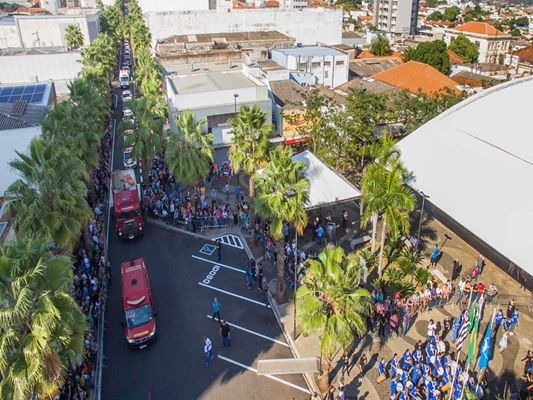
(34, 31)
(396, 16)
(492, 43)
(308, 26)
(328, 66)
(215, 93)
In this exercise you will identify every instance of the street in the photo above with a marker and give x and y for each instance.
(184, 282)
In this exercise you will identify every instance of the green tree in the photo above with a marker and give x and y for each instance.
(380, 46)
(74, 37)
(435, 16)
(464, 48)
(146, 137)
(283, 190)
(516, 32)
(42, 328)
(100, 57)
(415, 111)
(451, 13)
(250, 148)
(49, 197)
(331, 302)
(190, 150)
(432, 53)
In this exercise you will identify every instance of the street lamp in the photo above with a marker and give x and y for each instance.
(235, 95)
(424, 197)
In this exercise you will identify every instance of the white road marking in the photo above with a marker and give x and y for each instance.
(219, 264)
(230, 240)
(253, 333)
(275, 378)
(235, 295)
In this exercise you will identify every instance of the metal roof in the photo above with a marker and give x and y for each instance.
(32, 116)
(310, 51)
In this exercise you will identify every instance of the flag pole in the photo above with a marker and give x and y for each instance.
(464, 384)
(482, 371)
(455, 372)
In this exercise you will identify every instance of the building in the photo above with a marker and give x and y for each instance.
(493, 44)
(40, 65)
(214, 92)
(396, 16)
(371, 66)
(216, 47)
(328, 66)
(38, 31)
(475, 164)
(21, 109)
(414, 76)
(307, 26)
(525, 59)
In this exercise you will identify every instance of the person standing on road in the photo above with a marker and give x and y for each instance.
(265, 290)
(510, 309)
(213, 198)
(498, 319)
(207, 350)
(225, 333)
(218, 244)
(319, 234)
(216, 309)
(226, 188)
(237, 193)
(260, 276)
(253, 269)
(514, 322)
(480, 263)
(345, 219)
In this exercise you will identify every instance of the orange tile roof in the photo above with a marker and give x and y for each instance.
(365, 18)
(367, 54)
(481, 28)
(272, 3)
(454, 57)
(239, 5)
(525, 54)
(415, 75)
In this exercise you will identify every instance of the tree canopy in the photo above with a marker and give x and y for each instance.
(380, 46)
(464, 48)
(432, 53)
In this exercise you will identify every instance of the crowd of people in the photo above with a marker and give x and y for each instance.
(92, 271)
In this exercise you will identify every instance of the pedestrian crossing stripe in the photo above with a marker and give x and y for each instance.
(231, 240)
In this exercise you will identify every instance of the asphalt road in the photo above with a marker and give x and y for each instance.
(173, 367)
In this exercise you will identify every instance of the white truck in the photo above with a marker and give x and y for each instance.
(124, 78)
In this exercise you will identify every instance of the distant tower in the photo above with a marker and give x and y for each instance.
(396, 16)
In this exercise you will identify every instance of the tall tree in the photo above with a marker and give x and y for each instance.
(380, 46)
(464, 48)
(250, 148)
(41, 326)
(100, 57)
(332, 303)
(385, 192)
(74, 37)
(190, 149)
(283, 191)
(146, 137)
(49, 197)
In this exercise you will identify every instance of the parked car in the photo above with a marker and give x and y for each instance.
(126, 95)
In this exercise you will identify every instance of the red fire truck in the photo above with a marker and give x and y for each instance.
(126, 204)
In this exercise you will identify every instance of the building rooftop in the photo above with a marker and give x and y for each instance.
(474, 80)
(31, 115)
(481, 28)
(269, 65)
(370, 84)
(35, 93)
(40, 50)
(287, 92)
(368, 54)
(525, 54)
(210, 82)
(454, 57)
(371, 66)
(224, 37)
(311, 51)
(415, 75)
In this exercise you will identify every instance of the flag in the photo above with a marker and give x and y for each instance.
(473, 340)
(465, 327)
(486, 346)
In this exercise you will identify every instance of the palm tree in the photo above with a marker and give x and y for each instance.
(331, 303)
(146, 137)
(49, 197)
(41, 326)
(100, 57)
(140, 35)
(74, 37)
(250, 148)
(384, 153)
(190, 150)
(283, 191)
(380, 46)
(385, 192)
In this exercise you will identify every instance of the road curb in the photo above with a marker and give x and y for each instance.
(309, 380)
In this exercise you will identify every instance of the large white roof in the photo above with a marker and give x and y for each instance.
(475, 161)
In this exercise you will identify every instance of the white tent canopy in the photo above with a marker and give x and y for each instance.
(325, 185)
(475, 161)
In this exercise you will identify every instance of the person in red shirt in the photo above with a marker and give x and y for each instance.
(481, 288)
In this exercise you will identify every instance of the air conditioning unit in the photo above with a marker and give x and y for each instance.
(184, 50)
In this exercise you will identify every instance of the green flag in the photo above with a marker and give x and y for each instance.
(473, 334)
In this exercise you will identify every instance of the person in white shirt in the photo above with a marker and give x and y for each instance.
(460, 289)
(431, 329)
(207, 350)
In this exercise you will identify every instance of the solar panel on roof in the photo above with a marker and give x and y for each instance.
(40, 88)
(26, 97)
(6, 91)
(4, 99)
(18, 90)
(30, 93)
(29, 89)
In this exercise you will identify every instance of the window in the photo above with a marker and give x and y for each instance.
(327, 63)
(315, 65)
(326, 74)
(302, 67)
(477, 44)
(339, 63)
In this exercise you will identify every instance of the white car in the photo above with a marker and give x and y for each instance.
(129, 162)
(126, 95)
(127, 112)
